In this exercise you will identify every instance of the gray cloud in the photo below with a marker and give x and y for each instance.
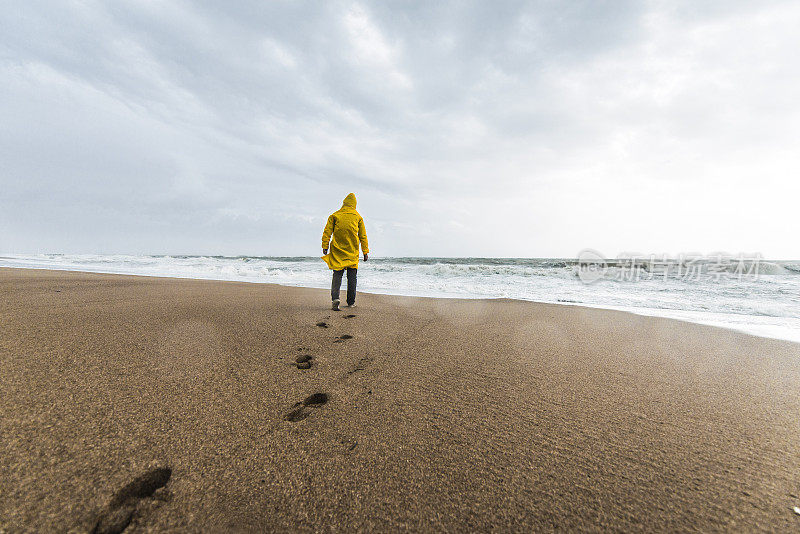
(465, 128)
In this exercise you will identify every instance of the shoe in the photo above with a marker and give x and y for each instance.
(335, 305)
(353, 305)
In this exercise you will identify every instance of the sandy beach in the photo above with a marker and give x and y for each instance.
(168, 404)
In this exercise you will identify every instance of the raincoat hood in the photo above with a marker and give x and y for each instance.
(349, 201)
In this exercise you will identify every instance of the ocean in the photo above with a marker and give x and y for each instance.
(757, 297)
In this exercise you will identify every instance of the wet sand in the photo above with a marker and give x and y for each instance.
(167, 404)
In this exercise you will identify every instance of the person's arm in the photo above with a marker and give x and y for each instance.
(362, 237)
(326, 234)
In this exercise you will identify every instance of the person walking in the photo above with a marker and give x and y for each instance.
(346, 227)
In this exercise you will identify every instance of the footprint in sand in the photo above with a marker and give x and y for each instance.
(349, 316)
(342, 338)
(361, 365)
(303, 361)
(322, 324)
(348, 444)
(119, 512)
(301, 410)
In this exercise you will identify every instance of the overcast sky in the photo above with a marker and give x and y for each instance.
(464, 128)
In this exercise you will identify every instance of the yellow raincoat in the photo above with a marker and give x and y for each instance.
(347, 228)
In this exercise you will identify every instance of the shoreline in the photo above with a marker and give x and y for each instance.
(415, 414)
(658, 313)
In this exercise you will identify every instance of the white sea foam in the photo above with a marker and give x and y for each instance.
(767, 305)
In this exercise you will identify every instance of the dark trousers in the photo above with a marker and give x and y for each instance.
(351, 285)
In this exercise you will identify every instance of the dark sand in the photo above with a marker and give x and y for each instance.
(440, 415)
